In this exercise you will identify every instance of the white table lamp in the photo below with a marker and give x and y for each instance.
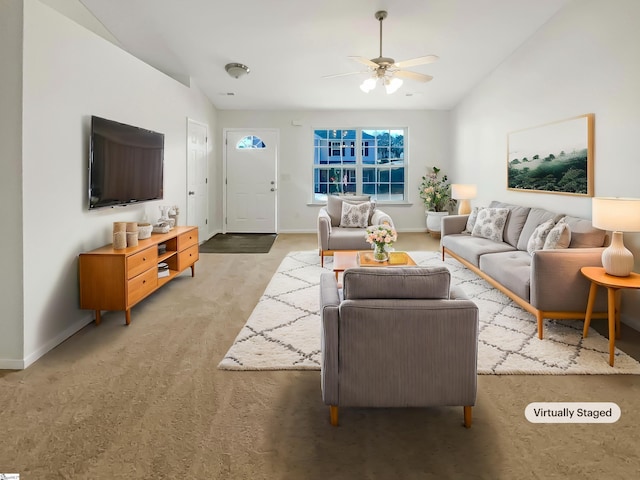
(463, 193)
(617, 215)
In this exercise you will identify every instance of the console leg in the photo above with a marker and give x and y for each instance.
(98, 318)
(127, 316)
(193, 270)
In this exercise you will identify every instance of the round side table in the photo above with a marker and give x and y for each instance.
(614, 285)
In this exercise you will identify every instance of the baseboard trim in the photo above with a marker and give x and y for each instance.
(16, 364)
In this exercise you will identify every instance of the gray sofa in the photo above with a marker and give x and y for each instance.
(334, 235)
(397, 337)
(545, 282)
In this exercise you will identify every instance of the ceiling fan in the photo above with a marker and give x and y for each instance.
(386, 69)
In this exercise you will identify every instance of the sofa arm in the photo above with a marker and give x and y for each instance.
(379, 218)
(324, 228)
(329, 340)
(556, 281)
(452, 224)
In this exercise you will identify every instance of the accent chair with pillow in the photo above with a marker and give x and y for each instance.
(397, 337)
(343, 221)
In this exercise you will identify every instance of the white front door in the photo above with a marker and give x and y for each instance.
(197, 177)
(251, 158)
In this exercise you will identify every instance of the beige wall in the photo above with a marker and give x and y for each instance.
(584, 60)
(429, 144)
(11, 335)
(69, 74)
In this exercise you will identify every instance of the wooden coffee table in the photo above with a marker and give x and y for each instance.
(349, 259)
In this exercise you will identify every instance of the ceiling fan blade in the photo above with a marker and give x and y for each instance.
(416, 61)
(344, 74)
(365, 61)
(420, 77)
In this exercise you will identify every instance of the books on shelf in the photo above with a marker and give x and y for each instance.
(163, 270)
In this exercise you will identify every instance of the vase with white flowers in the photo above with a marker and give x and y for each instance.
(381, 237)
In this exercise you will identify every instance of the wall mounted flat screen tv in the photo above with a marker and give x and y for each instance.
(126, 164)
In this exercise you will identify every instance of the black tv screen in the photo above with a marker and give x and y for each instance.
(126, 164)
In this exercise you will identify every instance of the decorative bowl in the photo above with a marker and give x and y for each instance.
(144, 230)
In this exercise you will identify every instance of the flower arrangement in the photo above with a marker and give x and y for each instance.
(381, 237)
(435, 192)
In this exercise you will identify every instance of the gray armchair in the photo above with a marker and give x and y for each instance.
(398, 337)
(333, 235)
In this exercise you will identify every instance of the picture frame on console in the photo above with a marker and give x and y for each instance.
(556, 157)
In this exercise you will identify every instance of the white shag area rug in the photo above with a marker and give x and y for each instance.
(283, 331)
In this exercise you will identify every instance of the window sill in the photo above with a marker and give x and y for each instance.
(378, 204)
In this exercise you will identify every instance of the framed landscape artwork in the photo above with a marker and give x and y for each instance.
(552, 158)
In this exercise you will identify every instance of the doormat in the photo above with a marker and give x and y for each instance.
(239, 243)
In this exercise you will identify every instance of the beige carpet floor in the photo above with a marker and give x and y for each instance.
(147, 402)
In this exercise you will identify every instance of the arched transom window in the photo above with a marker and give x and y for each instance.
(250, 141)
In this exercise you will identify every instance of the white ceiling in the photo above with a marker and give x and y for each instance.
(289, 45)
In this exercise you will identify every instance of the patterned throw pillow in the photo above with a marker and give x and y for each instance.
(471, 220)
(490, 223)
(539, 235)
(559, 236)
(355, 215)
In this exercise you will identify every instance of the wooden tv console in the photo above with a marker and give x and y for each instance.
(118, 279)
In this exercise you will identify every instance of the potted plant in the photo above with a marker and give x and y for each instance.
(435, 192)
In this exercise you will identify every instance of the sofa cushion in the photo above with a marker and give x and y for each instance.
(584, 234)
(559, 236)
(539, 235)
(348, 239)
(472, 248)
(334, 205)
(515, 221)
(355, 215)
(490, 223)
(536, 217)
(396, 282)
(510, 269)
(471, 220)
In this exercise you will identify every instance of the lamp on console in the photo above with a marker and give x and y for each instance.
(617, 215)
(463, 193)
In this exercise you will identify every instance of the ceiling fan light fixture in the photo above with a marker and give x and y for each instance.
(392, 84)
(368, 85)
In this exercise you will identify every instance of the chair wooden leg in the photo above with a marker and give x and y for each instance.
(322, 258)
(467, 416)
(333, 412)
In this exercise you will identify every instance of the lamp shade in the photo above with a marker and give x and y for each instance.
(460, 191)
(616, 214)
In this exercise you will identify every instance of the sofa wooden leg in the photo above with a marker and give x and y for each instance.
(467, 416)
(540, 324)
(321, 258)
(333, 412)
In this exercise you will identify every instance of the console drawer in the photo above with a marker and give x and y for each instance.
(187, 239)
(141, 261)
(188, 257)
(140, 286)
